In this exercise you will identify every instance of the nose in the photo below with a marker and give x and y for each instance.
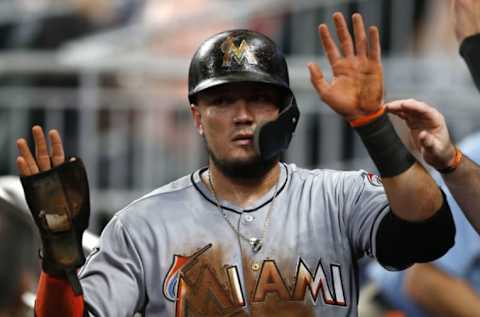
(243, 113)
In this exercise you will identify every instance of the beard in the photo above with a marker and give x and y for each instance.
(246, 169)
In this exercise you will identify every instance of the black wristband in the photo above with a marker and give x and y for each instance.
(385, 147)
(470, 51)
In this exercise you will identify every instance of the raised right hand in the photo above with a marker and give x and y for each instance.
(356, 89)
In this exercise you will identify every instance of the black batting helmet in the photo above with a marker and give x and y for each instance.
(247, 56)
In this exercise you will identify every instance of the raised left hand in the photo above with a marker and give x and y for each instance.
(356, 89)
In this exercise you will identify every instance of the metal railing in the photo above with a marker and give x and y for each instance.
(135, 139)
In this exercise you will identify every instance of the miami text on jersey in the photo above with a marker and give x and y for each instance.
(195, 293)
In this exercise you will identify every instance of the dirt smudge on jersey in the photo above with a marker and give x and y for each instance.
(269, 290)
(207, 291)
(210, 286)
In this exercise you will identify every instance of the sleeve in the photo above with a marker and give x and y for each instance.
(463, 257)
(366, 206)
(56, 298)
(470, 50)
(112, 278)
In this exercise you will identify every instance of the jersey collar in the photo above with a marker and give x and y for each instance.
(264, 200)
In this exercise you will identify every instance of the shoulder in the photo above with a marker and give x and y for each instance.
(162, 200)
(299, 174)
(329, 182)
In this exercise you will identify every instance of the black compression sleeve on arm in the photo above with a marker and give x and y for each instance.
(470, 51)
(401, 243)
(387, 151)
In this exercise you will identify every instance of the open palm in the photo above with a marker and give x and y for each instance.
(356, 88)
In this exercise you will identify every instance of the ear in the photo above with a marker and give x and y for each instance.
(197, 118)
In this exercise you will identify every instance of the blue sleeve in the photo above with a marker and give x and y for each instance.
(463, 260)
(462, 256)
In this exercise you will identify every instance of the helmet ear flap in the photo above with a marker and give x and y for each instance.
(273, 137)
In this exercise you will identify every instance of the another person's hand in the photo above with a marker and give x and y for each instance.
(428, 131)
(466, 15)
(356, 89)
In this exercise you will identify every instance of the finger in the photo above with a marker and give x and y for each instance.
(343, 34)
(58, 155)
(318, 79)
(24, 151)
(399, 114)
(416, 106)
(41, 149)
(408, 106)
(22, 167)
(361, 43)
(394, 106)
(375, 49)
(328, 44)
(422, 110)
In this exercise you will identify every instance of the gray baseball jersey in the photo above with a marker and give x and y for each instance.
(172, 253)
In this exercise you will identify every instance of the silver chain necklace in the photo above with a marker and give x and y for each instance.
(255, 243)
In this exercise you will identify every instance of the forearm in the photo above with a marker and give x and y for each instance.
(413, 194)
(55, 297)
(464, 185)
(440, 294)
(411, 191)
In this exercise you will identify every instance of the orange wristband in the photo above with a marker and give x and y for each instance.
(454, 164)
(358, 122)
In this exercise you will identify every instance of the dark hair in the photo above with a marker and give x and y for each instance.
(17, 251)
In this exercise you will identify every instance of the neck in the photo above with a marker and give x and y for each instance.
(241, 192)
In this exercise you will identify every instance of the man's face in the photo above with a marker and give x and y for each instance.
(227, 115)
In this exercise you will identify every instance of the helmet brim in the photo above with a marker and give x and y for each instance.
(240, 77)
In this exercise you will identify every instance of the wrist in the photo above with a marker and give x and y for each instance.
(61, 253)
(453, 163)
(386, 149)
(366, 119)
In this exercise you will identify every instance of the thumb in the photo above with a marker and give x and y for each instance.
(427, 141)
(317, 78)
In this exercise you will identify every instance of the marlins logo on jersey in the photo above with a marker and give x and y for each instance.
(170, 285)
(373, 179)
(179, 265)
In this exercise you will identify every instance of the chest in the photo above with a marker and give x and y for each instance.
(209, 266)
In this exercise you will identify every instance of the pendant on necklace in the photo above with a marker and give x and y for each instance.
(256, 244)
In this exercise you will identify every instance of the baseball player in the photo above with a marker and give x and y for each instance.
(247, 235)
